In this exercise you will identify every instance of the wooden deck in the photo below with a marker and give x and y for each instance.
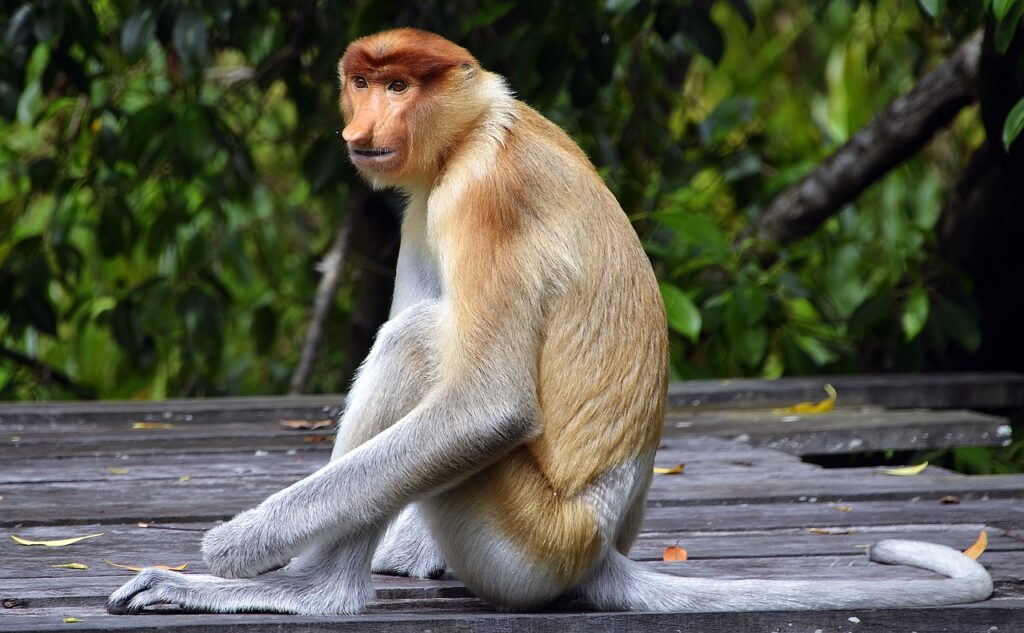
(745, 505)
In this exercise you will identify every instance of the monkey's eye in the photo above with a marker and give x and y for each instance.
(398, 86)
(359, 82)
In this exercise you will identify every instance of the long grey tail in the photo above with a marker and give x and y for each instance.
(623, 584)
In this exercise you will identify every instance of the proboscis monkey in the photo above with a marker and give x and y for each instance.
(506, 419)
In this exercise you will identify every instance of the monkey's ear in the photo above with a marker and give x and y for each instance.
(469, 70)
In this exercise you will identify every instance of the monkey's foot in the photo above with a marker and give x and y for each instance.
(311, 592)
(244, 547)
(149, 587)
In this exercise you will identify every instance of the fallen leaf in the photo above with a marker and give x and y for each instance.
(674, 553)
(974, 551)
(119, 471)
(675, 470)
(55, 543)
(152, 426)
(841, 508)
(306, 425)
(71, 620)
(15, 439)
(184, 478)
(950, 500)
(71, 566)
(180, 567)
(815, 530)
(824, 406)
(317, 439)
(905, 471)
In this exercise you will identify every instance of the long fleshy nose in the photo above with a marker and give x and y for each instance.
(359, 131)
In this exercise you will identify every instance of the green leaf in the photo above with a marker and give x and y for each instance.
(931, 8)
(37, 62)
(1007, 27)
(191, 39)
(683, 315)
(696, 229)
(915, 313)
(746, 12)
(137, 33)
(703, 33)
(28, 102)
(1001, 8)
(1014, 124)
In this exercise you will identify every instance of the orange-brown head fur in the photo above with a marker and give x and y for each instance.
(413, 128)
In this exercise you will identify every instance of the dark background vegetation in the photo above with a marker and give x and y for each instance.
(172, 190)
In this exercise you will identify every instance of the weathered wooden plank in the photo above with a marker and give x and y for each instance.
(846, 430)
(1005, 567)
(210, 498)
(204, 410)
(986, 617)
(827, 485)
(940, 391)
(1005, 514)
(133, 545)
(846, 540)
(895, 391)
(133, 467)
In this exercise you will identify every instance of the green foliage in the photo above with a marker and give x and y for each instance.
(170, 177)
(1014, 124)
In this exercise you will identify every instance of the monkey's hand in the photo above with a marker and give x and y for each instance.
(245, 546)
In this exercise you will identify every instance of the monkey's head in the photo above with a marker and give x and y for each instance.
(406, 96)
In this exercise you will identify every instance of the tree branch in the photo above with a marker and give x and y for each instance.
(895, 134)
(47, 374)
(330, 267)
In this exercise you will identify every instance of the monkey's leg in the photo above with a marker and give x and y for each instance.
(456, 430)
(408, 548)
(332, 574)
(398, 372)
(327, 579)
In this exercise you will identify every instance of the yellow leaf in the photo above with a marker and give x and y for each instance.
(71, 620)
(56, 543)
(317, 439)
(824, 406)
(841, 508)
(974, 551)
(309, 425)
(905, 471)
(815, 530)
(119, 471)
(137, 568)
(71, 566)
(184, 478)
(675, 470)
(152, 426)
(674, 553)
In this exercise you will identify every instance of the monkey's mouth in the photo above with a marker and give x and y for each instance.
(377, 152)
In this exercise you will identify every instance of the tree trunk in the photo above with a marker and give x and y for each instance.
(982, 224)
